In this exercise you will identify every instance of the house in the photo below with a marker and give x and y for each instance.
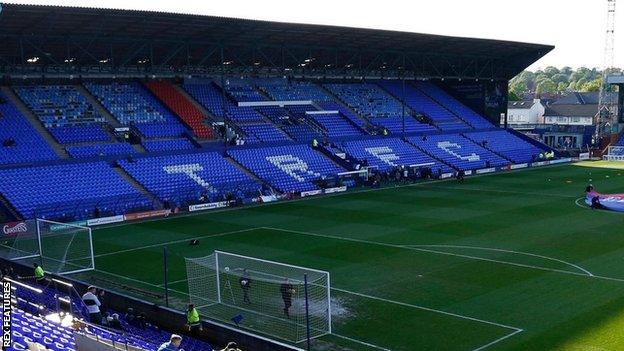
(524, 112)
(575, 109)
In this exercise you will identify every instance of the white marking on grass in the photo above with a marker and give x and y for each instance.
(576, 202)
(407, 247)
(509, 251)
(276, 203)
(498, 340)
(473, 319)
(360, 342)
(137, 281)
(405, 304)
(175, 242)
(501, 191)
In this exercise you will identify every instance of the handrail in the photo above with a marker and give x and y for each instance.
(123, 333)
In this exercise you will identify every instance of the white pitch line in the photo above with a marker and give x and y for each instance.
(405, 304)
(419, 184)
(509, 251)
(137, 281)
(176, 242)
(579, 205)
(515, 330)
(498, 340)
(407, 247)
(501, 191)
(361, 342)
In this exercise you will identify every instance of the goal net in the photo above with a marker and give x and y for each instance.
(61, 248)
(280, 300)
(615, 153)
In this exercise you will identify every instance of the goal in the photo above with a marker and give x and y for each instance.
(615, 153)
(276, 299)
(62, 248)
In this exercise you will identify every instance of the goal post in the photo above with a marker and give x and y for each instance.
(62, 248)
(288, 302)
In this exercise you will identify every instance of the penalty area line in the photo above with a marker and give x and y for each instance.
(428, 309)
(515, 330)
(206, 236)
(360, 342)
(498, 340)
(420, 249)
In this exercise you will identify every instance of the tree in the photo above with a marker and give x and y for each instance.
(546, 86)
(553, 79)
(580, 83)
(518, 87)
(513, 96)
(567, 71)
(592, 86)
(541, 77)
(559, 78)
(551, 71)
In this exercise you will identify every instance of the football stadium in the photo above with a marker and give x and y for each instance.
(192, 182)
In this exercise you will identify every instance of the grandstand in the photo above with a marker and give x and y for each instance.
(167, 115)
(178, 103)
(378, 107)
(70, 191)
(21, 142)
(292, 168)
(38, 318)
(388, 154)
(131, 104)
(507, 145)
(182, 179)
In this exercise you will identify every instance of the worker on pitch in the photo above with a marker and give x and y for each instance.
(245, 284)
(287, 290)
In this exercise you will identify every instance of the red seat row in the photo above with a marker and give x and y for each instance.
(181, 106)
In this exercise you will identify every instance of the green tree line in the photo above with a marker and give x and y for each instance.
(557, 80)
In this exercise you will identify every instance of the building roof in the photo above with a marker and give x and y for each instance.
(520, 104)
(571, 110)
(90, 35)
(584, 98)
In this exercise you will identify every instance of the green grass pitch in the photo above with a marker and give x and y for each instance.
(509, 261)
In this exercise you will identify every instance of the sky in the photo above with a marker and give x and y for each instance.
(575, 27)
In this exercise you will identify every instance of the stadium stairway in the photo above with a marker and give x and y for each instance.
(538, 144)
(429, 153)
(140, 188)
(450, 103)
(196, 103)
(419, 103)
(487, 148)
(97, 105)
(250, 174)
(181, 106)
(346, 107)
(8, 213)
(35, 122)
(139, 148)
